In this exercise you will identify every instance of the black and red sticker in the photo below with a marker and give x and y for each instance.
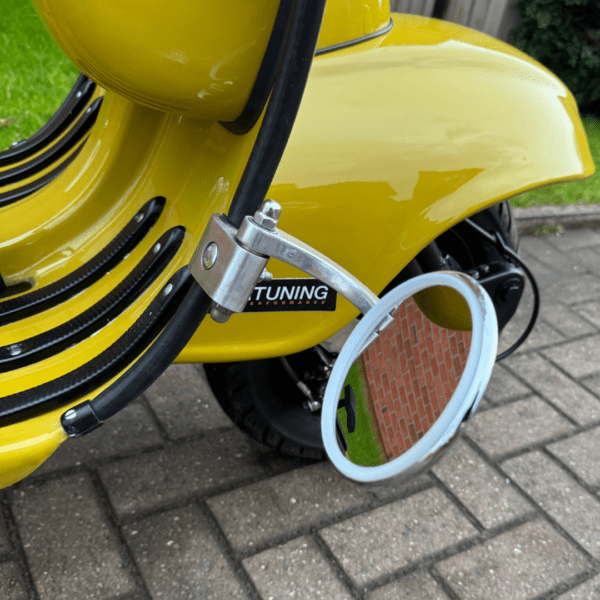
(292, 295)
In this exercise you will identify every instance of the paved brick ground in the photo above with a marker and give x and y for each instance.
(156, 505)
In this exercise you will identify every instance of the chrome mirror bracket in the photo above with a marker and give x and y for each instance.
(228, 263)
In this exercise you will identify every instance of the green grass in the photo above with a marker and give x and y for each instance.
(35, 75)
(363, 447)
(577, 192)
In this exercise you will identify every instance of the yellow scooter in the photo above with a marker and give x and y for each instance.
(390, 143)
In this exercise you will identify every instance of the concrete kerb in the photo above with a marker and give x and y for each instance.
(568, 217)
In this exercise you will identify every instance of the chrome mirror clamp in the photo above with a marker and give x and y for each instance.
(228, 263)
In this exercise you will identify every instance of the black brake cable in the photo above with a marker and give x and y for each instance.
(512, 256)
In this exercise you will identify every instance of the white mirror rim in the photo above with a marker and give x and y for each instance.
(466, 397)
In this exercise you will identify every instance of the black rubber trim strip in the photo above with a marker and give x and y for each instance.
(49, 343)
(265, 76)
(83, 380)
(74, 103)
(41, 299)
(7, 198)
(354, 42)
(281, 111)
(56, 152)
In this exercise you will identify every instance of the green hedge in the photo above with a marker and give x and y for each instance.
(564, 35)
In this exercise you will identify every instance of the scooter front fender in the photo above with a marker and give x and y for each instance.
(398, 139)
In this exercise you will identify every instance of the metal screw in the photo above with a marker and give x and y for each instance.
(15, 350)
(156, 248)
(70, 414)
(210, 255)
(312, 405)
(268, 214)
(168, 289)
(139, 217)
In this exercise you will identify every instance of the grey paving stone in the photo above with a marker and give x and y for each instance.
(590, 310)
(130, 430)
(542, 335)
(516, 425)
(565, 320)
(572, 239)
(593, 384)
(577, 511)
(581, 453)
(5, 545)
(11, 582)
(504, 386)
(71, 550)
(295, 570)
(381, 541)
(418, 585)
(573, 289)
(590, 590)
(520, 564)
(191, 468)
(564, 393)
(547, 254)
(578, 358)
(478, 486)
(184, 403)
(258, 512)
(180, 558)
(389, 491)
(587, 259)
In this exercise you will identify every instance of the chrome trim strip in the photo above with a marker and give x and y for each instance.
(356, 41)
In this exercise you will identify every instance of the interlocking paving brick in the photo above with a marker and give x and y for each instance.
(581, 453)
(541, 336)
(504, 386)
(576, 510)
(575, 238)
(258, 512)
(587, 259)
(404, 488)
(71, 549)
(590, 310)
(478, 486)
(548, 255)
(180, 558)
(517, 565)
(194, 467)
(593, 384)
(381, 541)
(565, 320)
(11, 583)
(418, 585)
(590, 590)
(564, 393)
(295, 570)
(574, 289)
(130, 430)
(4, 541)
(184, 403)
(516, 425)
(578, 358)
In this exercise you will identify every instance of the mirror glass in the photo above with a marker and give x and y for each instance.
(403, 379)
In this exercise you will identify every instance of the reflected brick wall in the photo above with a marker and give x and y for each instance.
(426, 362)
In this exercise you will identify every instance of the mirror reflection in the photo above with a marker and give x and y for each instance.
(400, 384)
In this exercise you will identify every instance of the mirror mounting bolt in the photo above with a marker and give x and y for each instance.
(268, 214)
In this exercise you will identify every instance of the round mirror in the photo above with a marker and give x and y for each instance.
(411, 372)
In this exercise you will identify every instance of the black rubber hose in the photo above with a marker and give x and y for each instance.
(292, 74)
